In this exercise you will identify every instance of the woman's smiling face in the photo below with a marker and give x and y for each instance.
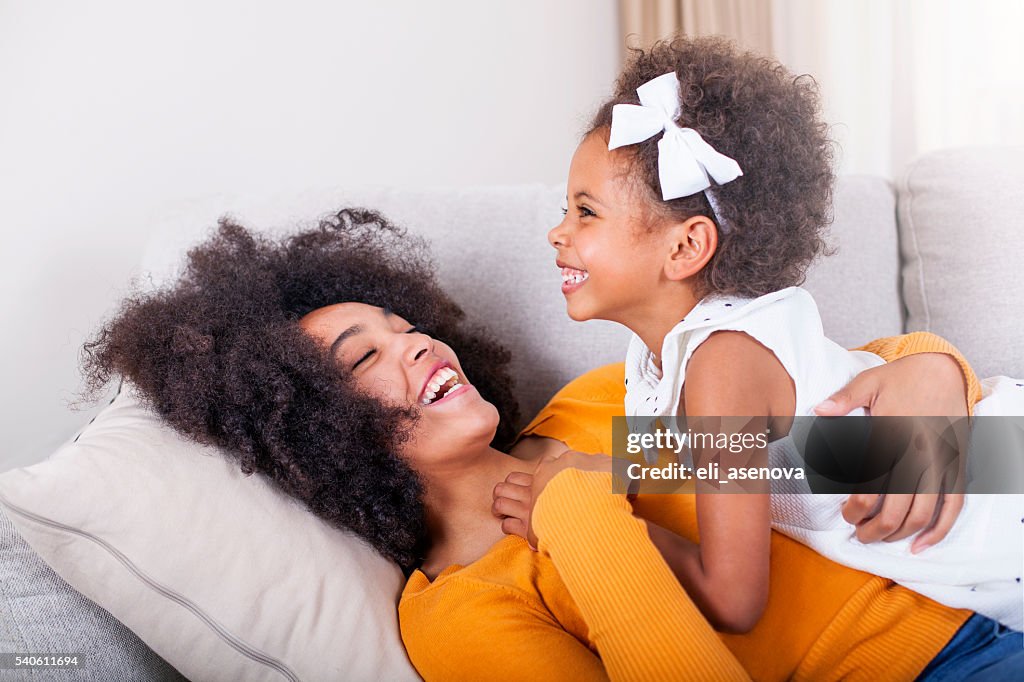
(392, 361)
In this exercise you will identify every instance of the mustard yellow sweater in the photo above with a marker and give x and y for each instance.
(598, 601)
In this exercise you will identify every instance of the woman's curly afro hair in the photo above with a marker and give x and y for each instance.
(752, 109)
(220, 356)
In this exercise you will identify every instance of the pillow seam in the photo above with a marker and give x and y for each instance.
(222, 632)
(917, 249)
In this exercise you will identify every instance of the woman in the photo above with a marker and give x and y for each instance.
(318, 362)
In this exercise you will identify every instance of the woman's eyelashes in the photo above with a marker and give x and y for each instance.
(363, 359)
(411, 330)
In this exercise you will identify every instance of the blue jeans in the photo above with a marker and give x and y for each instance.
(982, 649)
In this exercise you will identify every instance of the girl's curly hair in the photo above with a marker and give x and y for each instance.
(220, 356)
(752, 109)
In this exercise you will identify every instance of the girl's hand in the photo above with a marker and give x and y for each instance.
(926, 384)
(514, 498)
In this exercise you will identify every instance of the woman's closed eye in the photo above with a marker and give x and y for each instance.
(366, 356)
(363, 359)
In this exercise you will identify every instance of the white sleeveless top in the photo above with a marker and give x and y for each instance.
(978, 565)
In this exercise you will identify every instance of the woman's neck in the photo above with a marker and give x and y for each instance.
(458, 507)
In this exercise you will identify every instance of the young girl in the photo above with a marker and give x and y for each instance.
(696, 203)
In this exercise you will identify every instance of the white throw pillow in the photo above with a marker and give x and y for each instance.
(221, 574)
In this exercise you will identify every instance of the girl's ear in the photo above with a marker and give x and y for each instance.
(692, 243)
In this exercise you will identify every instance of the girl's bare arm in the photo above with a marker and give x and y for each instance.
(730, 375)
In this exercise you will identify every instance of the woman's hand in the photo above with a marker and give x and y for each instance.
(514, 498)
(926, 384)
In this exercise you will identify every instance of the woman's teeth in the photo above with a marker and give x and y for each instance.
(574, 276)
(444, 381)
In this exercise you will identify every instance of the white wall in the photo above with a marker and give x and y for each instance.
(111, 111)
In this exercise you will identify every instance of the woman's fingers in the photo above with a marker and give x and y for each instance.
(860, 507)
(519, 478)
(513, 490)
(514, 526)
(888, 520)
(514, 498)
(919, 516)
(896, 389)
(515, 519)
(902, 515)
(861, 392)
(925, 466)
(888, 517)
(506, 506)
(951, 505)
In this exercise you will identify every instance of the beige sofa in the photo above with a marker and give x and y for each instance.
(941, 250)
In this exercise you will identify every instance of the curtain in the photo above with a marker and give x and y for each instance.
(898, 78)
(905, 77)
(748, 22)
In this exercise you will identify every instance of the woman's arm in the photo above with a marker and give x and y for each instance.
(644, 624)
(579, 415)
(915, 362)
(925, 375)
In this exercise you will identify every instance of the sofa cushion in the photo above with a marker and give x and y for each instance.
(962, 241)
(221, 574)
(491, 249)
(40, 613)
(490, 246)
(858, 287)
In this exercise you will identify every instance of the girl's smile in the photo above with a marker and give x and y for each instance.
(572, 278)
(609, 262)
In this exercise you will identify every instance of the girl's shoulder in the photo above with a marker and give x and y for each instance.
(785, 322)
(793, 308)
(740, 313)
(781, 321)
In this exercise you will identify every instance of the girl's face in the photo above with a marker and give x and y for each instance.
(610, 261)
(392, 361)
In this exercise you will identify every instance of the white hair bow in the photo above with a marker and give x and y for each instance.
(685, 160)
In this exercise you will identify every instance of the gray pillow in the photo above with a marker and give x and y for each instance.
(858, 288)
(962, 236)
(40, 613)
